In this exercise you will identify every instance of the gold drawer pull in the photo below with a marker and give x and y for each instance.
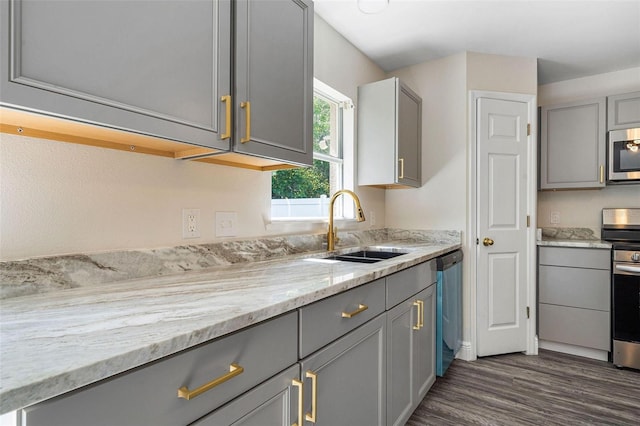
(297, 383)
(419, 306)
(314, 396)
(361, 308)
(227, 102)
(247, 106)
(401, 175)
(234, 370)
(601, 174)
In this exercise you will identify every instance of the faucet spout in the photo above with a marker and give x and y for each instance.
(332, 233)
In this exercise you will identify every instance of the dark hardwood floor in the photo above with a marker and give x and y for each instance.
(548, 389)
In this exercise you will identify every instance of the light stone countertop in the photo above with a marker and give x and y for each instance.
(598, 244)
(59, 341)
(572, 237)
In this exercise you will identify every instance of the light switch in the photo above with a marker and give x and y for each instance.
(226, 224)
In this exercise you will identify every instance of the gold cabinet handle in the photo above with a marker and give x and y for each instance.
(297, 383)
(227, 102)
(361, 308)
(247, 107)
(401, 161)
(234, 370)
(601, 174)
(487, 242)
(421, 303)
(417, 326)
(314, 397)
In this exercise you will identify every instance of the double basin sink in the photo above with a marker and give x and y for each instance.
(369, 255)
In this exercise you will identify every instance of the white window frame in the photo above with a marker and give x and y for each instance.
(347, 132)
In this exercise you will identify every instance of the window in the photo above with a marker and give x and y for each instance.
(304, 193)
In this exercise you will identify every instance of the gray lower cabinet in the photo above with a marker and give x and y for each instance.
(273, 403)
(574, 295)
(389, 135)
(623, 111)
(410, 354)
(572, 145)
(149, 395)
(153, 67)
(345, 382)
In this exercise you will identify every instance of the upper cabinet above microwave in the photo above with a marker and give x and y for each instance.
(161, 72)
(623, 111)
(572, 145)
(389, 135)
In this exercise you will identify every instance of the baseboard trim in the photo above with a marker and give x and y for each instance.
(574, 350)
(466, 352)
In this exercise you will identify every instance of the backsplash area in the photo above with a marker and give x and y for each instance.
(583, 208)
(47, 274)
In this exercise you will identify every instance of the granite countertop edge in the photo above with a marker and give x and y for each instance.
(81, 336)
(597, 244)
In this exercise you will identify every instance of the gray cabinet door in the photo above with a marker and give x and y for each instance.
(572, 145)
(425, 346)
(389, 134)
(350, 379)
(274, 79)
(409, 136)
(623, 111)
(152, 67)
(273, 403)
(410, 354)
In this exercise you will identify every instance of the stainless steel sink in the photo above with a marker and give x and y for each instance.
(366, 256)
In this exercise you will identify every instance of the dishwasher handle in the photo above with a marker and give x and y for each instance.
(448, 260)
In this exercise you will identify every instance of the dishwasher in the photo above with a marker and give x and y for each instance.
(448, 310)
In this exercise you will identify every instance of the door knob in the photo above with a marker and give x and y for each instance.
(487, 242)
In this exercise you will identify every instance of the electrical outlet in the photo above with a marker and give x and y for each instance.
(372, 218)
(226, 224)
(555, 218)
(190, 223)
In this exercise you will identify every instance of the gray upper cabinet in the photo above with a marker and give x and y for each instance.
(623, 111)
(274, 79)
(572, 145)
(157, 68)
(389, 135)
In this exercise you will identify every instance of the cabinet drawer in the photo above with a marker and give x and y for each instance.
(406, 283)
(576, 257)
(577, 287)
(575, 326)
(323, 322)
(149, 395)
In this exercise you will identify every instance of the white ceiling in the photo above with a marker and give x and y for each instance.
(570, 38)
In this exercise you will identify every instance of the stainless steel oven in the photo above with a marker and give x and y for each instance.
(624, 156)
(622, 227)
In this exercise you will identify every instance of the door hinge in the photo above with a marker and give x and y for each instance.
(528, 313)
(528, 129)
(528, 221)
(477, 241)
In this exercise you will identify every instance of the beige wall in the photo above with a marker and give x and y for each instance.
(444, 85)
(582, 208)
(58, 198)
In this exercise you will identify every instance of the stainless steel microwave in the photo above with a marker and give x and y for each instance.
(624, 156)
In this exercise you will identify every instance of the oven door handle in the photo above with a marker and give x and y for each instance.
(628, 268)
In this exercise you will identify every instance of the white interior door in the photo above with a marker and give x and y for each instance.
(502, 256)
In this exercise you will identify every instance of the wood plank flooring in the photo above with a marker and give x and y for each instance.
(516, 389)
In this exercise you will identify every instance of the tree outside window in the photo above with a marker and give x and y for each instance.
(305, 192)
